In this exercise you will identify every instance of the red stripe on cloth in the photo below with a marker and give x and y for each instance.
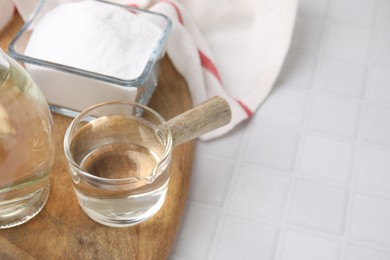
(205, 61)
(133, 6)
(248, 112)
(208, 64)
(178, 13)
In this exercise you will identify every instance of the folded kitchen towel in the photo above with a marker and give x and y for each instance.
(234, 50)
(6, 11)
(231, 49)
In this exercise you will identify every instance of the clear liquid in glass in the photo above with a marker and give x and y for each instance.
(26, 145)
(111, 154)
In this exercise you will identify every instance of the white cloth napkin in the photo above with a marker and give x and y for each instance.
(6, 11)
(231, 49)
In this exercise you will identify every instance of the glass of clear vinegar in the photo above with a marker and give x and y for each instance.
(119, 154)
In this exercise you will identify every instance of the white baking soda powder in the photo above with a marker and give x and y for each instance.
(94, 36)
(97, 37)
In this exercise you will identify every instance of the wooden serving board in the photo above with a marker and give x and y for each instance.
(62, 231)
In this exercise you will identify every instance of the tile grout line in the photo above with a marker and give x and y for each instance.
(284, 222)
(303, 129)
(231, 187)
(353, 187)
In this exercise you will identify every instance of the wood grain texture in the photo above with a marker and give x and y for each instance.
(203, 118)
(62, 231)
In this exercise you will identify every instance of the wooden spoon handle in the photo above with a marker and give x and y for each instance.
(199, 120)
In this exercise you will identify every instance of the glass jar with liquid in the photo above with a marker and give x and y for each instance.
(26, 145)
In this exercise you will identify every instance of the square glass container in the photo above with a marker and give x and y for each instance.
(70, 90)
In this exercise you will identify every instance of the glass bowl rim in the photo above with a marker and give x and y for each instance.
(134, 82)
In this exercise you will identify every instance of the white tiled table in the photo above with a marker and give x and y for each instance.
(309, 176)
